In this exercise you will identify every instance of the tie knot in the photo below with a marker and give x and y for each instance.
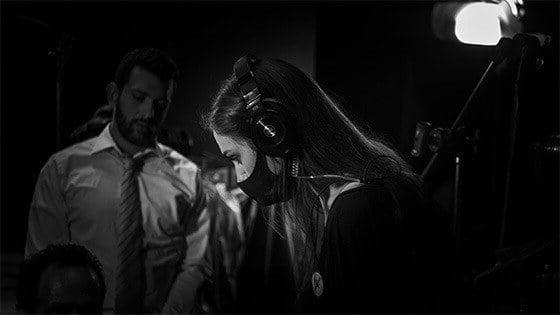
(135, 164)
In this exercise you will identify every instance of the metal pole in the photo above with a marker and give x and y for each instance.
(459, 118)
(456, 204)
(513, 135)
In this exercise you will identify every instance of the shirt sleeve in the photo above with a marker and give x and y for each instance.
(47, 222)
(196, 264)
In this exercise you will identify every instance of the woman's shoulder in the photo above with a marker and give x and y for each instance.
(387, 202)
(365, 203)
(371, 194)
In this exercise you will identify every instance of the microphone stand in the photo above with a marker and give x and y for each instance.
(454, 134)
(455, 126)
(506, 48)
(513, 136)
(521, 44)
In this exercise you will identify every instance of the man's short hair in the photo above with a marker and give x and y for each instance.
(59, 255)
(150, 59)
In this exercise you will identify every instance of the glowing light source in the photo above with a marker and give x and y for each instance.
(479, 23)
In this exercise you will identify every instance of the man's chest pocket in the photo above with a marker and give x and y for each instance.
(81, 183)
(91, 197)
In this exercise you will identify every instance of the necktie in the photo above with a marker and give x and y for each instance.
(130, 276)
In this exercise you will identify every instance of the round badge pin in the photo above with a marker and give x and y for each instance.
(317, 283)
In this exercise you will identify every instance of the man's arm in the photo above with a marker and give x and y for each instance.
(197, 262)
(47, 223)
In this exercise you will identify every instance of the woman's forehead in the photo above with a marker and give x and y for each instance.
(232, 143)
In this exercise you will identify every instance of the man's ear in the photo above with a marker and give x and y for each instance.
(171, 90)
(112, 92)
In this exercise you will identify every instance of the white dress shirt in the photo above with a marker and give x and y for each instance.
(77, 198)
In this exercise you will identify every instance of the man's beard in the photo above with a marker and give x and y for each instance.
(140, 132)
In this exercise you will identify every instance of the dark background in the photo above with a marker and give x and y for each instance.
(380, 58)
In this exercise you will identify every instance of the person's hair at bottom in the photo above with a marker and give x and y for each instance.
(60, 255)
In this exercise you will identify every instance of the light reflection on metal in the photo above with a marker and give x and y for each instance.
(513, 7)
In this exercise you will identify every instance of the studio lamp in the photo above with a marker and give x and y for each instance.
(478, 22)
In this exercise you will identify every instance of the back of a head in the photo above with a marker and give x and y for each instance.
(39, 270)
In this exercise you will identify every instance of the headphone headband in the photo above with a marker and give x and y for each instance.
(246, 81)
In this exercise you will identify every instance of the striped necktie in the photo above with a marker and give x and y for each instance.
(130, 276)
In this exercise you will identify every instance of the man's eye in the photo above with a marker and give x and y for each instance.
(138, 98)
(160, 104)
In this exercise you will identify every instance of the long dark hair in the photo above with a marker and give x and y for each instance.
(328, 142)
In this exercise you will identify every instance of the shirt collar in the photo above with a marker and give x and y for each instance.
(105, 141)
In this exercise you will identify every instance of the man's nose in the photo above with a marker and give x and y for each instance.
(147, 108)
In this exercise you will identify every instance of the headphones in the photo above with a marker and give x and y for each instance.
(267, 121)
(269, 125)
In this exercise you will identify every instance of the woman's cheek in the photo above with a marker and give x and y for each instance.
(240, 172)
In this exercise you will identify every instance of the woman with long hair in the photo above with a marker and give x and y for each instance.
(368, 240)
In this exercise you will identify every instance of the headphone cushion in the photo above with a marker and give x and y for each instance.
(271, 131)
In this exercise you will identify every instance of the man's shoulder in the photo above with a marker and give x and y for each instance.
(80, 149)
(177, 160)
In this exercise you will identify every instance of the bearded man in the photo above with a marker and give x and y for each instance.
(136, 204)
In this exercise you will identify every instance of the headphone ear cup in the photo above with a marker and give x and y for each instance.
(271, 133)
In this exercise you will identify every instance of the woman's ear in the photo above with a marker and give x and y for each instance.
(112, 92)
